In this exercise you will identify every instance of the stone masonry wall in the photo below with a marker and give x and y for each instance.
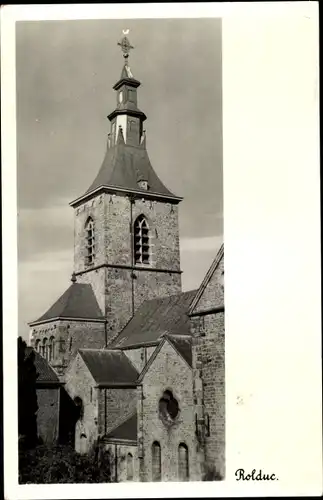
(80, 383)
(213, 294)
(48, 414)
(121, 452)
(120, 402)
(94, 208)
(168, 372)
(209, 383)
(208, 352)
(116, 289)
(69, 336)
(139, 357)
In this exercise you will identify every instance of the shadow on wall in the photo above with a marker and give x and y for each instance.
(70, 413)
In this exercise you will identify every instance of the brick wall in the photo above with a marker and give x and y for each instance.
(120, 402)
(168, 371)
(80, 383)
(48, 414)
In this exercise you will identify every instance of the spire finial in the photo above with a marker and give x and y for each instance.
(125, 45)
(73, 278)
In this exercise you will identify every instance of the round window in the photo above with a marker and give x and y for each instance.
(168, 407)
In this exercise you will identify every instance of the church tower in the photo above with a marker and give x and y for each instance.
(126, 236)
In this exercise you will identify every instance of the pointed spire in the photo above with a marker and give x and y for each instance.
(126, 72)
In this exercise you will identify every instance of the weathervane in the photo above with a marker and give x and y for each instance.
(125, 44)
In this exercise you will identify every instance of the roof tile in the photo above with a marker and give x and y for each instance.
(126, 430)
(44, 370)
(122, 167)
(154, 318)
(78, 301)
(109, 366)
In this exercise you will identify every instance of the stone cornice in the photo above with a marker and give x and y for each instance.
(136, 194)
(129, 267)
(60, 318)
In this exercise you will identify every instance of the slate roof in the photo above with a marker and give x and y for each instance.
(183, 345)
(44, 370)
(126, 430)
(78, 301)
(157, 317)
(124, 165)
(109, 366)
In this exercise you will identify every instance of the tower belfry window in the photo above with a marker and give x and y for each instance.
(141, 241)
(90, 242)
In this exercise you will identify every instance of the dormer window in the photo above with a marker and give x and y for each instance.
(143, 185)
(90, 242)
(141, 241)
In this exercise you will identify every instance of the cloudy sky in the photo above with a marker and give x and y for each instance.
(65, 73)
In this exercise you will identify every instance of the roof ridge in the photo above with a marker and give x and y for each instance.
(179, 335)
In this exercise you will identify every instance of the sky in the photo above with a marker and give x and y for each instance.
(65, 71)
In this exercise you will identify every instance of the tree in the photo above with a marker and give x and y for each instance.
(27, 396)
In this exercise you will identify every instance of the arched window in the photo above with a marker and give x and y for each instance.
(44, 348)
(90, 241)
(141, 241)
(51, 349)
(37, 345)
(156, 461)
(129, 467)
(183, 466)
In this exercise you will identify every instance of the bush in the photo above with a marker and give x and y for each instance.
(61, 464)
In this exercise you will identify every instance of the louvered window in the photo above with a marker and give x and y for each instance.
(90, 242)
(141, 241)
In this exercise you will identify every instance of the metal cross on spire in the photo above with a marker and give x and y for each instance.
(125, 44)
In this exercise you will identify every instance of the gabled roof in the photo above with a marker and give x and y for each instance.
(183, 345)
(126, 430)
(124, 165)
(44, 370)
(207, 279)
(78, 301)
(110, 367)
(157, 317)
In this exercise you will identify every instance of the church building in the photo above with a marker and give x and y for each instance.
(142, 361)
